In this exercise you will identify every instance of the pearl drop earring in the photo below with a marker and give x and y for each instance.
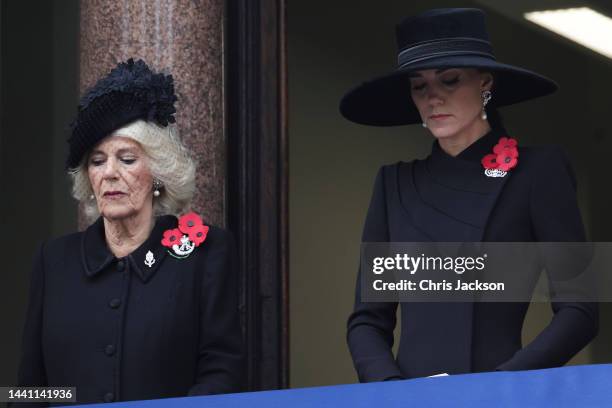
(424, 124)
(486, 97)
(156, 186)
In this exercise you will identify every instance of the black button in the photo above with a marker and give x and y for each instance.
(120, 266)
(109, 397)
(109, 350)
(114, 303)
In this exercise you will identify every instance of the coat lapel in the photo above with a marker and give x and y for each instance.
(450, 199)
(148, 257)
(96, 256)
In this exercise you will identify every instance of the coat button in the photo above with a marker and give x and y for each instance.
(120, 266)
(109, 350)
(114, 303)
(109, 397)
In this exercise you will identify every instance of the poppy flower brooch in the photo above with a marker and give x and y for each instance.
(503, 159)
(181, 241)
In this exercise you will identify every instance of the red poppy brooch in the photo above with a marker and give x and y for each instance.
(503, 159)
(191, 232)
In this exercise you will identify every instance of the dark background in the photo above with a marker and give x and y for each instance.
(332, 45)
(38, 96)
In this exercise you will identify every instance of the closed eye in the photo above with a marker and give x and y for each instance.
(128, 160)
(451, 81)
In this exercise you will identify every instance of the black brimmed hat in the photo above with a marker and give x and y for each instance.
(131, 91)
(438, 38)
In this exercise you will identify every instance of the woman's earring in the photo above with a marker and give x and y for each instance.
(486, 97)
(424, 124)
(156, 186)
(92, 197)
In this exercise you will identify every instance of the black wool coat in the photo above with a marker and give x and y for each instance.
(119, 329)
(449, 199)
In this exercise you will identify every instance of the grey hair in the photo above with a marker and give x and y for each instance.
(169, 161)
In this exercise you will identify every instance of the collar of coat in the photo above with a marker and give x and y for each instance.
(465, 172)
(474, 152)
(97, 257)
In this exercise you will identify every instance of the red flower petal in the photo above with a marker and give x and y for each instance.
(172, 237)
(490, 161)
(198, 234)
(189, 221)
(505, 143)
(499, 148)
(511, 151)
(506, 162)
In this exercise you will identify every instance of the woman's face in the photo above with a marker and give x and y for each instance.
(120, 178)
(449, 100)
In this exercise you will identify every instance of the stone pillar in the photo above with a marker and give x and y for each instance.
(182, 37)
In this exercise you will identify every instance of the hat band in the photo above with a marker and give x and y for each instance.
(445, 46)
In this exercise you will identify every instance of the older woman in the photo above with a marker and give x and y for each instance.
(476, 185)
(141, 304)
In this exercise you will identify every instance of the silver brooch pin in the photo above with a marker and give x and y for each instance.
(149, 259)
(495, 173)
(185, 248)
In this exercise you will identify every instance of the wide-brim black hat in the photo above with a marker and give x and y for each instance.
(439, 38)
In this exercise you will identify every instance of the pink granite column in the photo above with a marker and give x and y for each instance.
(182, 37)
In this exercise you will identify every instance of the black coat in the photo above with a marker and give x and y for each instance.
(118, 329)
(449, 199)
